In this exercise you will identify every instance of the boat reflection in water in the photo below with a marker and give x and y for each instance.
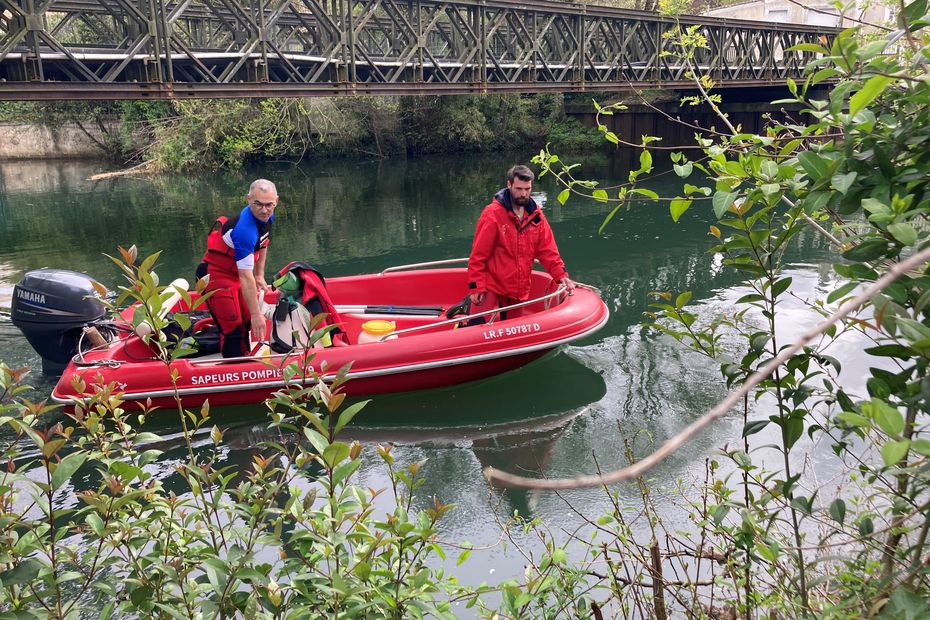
(458, 430)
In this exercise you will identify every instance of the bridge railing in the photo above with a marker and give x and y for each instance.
(159, 48)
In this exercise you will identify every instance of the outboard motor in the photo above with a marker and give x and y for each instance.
(51, 307)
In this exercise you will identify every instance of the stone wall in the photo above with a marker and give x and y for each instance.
(21, 141)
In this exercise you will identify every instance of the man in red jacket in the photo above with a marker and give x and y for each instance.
(511, 232)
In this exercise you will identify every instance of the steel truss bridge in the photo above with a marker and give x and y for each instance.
(117, 49)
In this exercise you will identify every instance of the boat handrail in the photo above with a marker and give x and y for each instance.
(432, 263)
(562, 288)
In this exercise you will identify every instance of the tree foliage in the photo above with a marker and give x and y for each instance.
(213, 134)
(854, 168)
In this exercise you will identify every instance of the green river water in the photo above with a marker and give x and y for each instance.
(561, 414)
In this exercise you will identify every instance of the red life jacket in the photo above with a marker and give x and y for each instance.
(218, 253)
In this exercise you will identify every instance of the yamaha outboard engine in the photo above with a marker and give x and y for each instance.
(51, 307)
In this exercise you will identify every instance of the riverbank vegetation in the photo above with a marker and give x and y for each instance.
(821, 508)
(212, 134)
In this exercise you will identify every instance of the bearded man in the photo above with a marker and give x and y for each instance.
(511, 233)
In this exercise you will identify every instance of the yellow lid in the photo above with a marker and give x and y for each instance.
(378, 327)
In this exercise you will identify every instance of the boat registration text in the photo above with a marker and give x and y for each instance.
(501, 332)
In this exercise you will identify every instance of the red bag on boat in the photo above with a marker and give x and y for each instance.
(311, 293)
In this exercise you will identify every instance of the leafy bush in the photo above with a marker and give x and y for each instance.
(776, 543)
(290, 537)
(486, 123)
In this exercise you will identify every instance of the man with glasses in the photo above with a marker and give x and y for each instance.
(235, 262)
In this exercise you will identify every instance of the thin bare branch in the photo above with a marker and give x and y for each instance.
(641, 467)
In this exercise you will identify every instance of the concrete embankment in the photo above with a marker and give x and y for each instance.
(24, 141)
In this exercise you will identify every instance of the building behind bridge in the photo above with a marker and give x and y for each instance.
(811, 12)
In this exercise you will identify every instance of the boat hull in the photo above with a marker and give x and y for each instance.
(428, 353)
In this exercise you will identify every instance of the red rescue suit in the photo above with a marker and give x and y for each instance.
(504, 248)
(227, 304)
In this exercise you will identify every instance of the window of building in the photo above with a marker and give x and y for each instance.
(778, 15)
(823, 16)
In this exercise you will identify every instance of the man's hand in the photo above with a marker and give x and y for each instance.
(569, 285)
(476, 298)
(261, 286)
(257, 331)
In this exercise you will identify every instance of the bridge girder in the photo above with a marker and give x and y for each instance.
(160, 49)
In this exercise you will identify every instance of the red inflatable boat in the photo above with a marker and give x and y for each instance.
(425, 350)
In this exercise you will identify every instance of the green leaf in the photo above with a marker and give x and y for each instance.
(921, 446)
(317, 440)
(217, 573)
(462, 557)
(722, 202)
(563, 195)
(148, 456)
(904, 604)
(842, 182)
(853, 419)
(345, 470)
(894, 451)
(95, 523)
(814, 165)
(780, 286)
(809, 47)
(904, 233)
(866, 526)
(759, 340)
(888, 418)
(914, 11)
(648, 193)
(838, 510)
(683, 299)
(335, 453)
(867, 250)
(645, 161)
(599, 195)
(678, 206)
(824, 74)
(792, 431)
(22, 573)
(768, 169)
(878, 388)
(346, 415)
(841, 292)
(684, 170)
(753, 427)
(362, 570)
(890, 350)
(66, 468)
(768, 552)
(869, 91)
(609, 217)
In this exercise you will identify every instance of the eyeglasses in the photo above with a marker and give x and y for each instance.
(258, 204)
